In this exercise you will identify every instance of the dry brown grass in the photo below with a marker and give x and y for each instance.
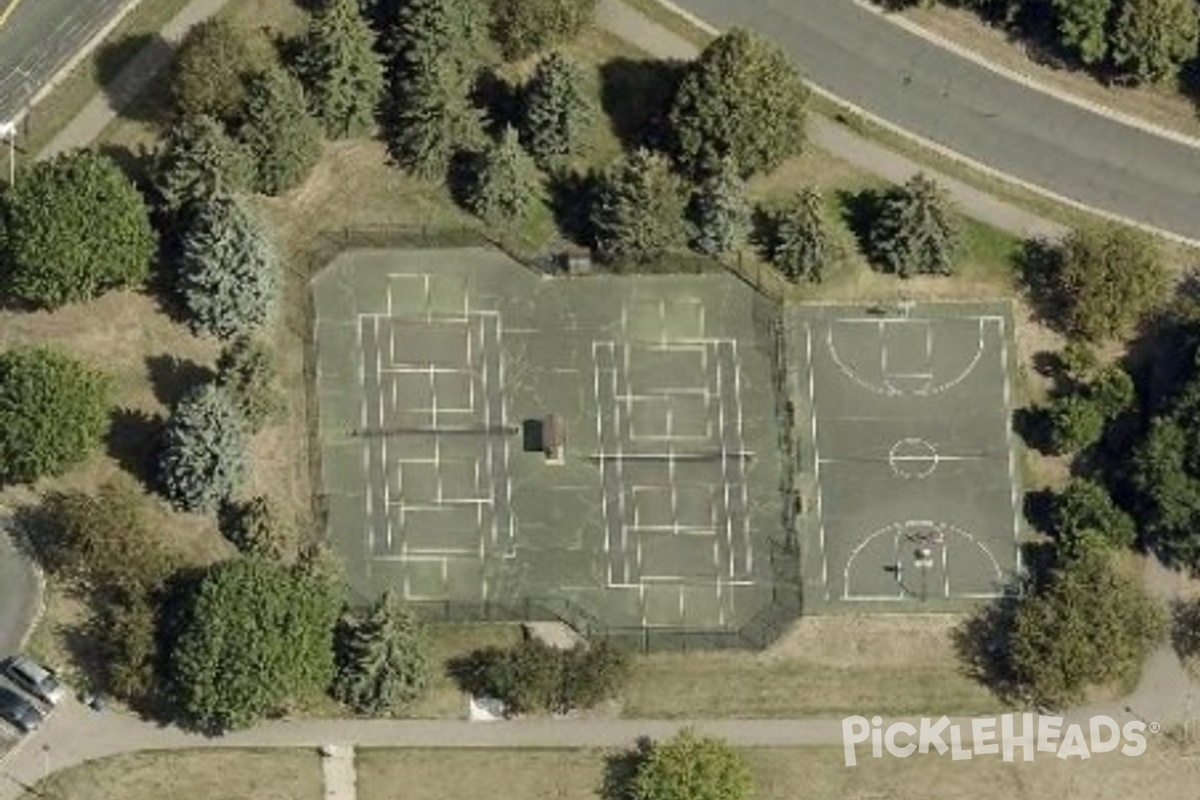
(193, 774)
(1165, 772)
(1161, 105)
(831, 665)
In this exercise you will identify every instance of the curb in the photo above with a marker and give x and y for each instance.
(83, 52)
(1029, 82)
(954, 155)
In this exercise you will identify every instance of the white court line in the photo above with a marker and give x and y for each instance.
(1010, 437)
(812, 406)
(741, 465)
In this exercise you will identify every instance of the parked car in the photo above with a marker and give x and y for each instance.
(39, 681)
(18, 712)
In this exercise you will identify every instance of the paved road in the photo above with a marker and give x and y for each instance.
(39, 38)
(863, 58)
(19, 592)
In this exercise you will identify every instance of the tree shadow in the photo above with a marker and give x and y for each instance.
(1033, 425)
(1037, 262)
(982, 642)
(35, 533)
(462, 174)
(570, 196)
(173, 377)
(501, 100)
(137, 164)
(125, 70)
(764, 231)
(132, 442)
(1038, 506)
(860, 211)
(1185, 630)
(636, 95)
(621, 768)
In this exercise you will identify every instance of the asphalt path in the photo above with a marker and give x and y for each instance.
(19, 591)
(863, 58)
(38, 38)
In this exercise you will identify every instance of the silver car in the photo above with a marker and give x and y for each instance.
(39, 681)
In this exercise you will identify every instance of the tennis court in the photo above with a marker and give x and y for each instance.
(436, 371)
(908, 459)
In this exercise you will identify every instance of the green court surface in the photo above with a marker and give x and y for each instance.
(435, 372)
(908, 456)
(725, 461)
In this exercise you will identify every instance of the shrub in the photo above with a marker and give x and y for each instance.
(228, 269)
(246, 369)
(691, 767)
(254, 529)
(54, 413)
(74, 227)
(203, 458)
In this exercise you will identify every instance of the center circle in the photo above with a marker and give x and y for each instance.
(913, 458)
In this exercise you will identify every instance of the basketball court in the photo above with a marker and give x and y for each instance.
(909, 457)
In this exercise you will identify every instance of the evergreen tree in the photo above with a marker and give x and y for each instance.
(1152, 39)
(801, 243)
(441, 47)
(382, 658)
(506, 184)
(199, 160)
(203, 457)
(721, 212)
(246, 367)
(742, 99)
(525, 27)
(557, 113)
(284, 140)
(228, 269)
(341, 70)
(74, 226)
(54, 413)
(638, 213)
(916, 232)
(254, 529)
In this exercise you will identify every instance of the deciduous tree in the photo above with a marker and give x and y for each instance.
(73, 227)
(741, 99)
(691, 767)
(209, 67)
(1083, 27)
(1106, 279)
(254, 637)
(54, 412)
